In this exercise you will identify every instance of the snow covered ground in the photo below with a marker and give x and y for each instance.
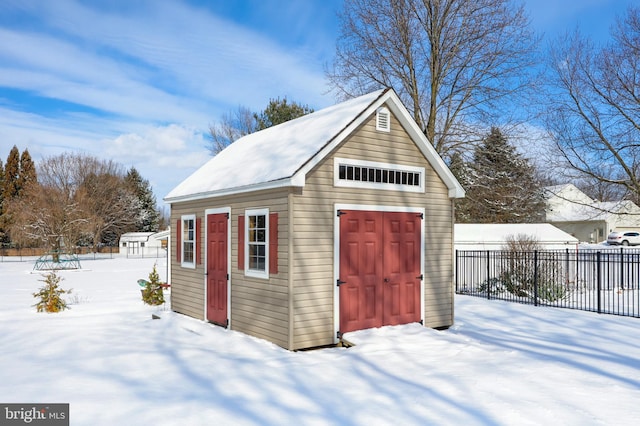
(502, 363)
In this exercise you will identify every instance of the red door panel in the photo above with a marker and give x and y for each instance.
(401, 268)
(217, 268)
(360, 267)
(379, 265)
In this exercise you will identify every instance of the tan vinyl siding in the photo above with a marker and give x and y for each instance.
(187, 284)
(295, 308)
(313, 245)
(259, 307)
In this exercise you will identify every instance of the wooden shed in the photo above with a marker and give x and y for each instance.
(336, 221)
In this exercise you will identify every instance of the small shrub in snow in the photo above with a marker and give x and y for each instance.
(50, 295)
(528, 272)
(152, 292)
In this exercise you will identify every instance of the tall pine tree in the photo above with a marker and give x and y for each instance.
(280, 111)
(27, 175)
(149, 216)
(3, 235)
(501, 186)
(1, 185)
(10, 188)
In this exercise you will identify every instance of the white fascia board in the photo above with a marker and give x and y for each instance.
(280, 183)
(396, 106)
(351, 127)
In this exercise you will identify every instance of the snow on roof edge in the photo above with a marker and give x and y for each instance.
(274, 153)
(487, 232)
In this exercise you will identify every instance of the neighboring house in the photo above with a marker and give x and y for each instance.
(589, 220)
(137, 243)
(336, 221)
(492, 236)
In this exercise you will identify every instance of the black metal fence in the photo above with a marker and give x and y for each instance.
(603, 281)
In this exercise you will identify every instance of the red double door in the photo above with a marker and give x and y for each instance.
(379, 269)
(217, 268)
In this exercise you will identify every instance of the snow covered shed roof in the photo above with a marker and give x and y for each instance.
(478, 236)
(136, 236)
(162, 235)
(281, 155)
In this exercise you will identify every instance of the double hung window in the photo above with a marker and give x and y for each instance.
(257, 240)
(188, 241)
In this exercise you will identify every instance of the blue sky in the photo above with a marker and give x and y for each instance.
(139, 82)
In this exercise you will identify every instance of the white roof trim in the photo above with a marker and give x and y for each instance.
(402, 114)
(276, 184)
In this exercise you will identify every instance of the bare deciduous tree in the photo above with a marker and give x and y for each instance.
(594, 110)
(46, 216)
(242, 122)
(77, 198)
(110, 207)
(454, 63)
(231, 127)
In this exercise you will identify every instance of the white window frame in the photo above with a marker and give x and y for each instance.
(183, 240)
(383, 111)
(256, 273)
(337, 162)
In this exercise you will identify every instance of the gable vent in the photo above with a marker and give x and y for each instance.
(383, 120)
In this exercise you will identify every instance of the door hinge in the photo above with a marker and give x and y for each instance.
(227, 277)
(420, 215)
(338, 335)
(339, 282)
(227, 214)
(420, 277)
(421, 322)
(340, 213)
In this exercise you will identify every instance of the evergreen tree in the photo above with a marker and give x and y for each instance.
(148, 217)
(242, 122)
(1, 186)
(459, 168)
(501, 185)
(27, 175)
(279, 111)
(3, 238)
(10, 187)
(152, 293)
(9, 191)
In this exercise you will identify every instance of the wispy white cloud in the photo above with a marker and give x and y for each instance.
(164, 154)
(177, 47)
(141, 81)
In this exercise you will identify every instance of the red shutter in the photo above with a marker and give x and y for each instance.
(273, 243)
(198, 240)
(178, 239)
(241, 242)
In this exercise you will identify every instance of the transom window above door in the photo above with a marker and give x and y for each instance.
(374, 175)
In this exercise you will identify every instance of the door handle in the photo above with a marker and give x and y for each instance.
(386, 280)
